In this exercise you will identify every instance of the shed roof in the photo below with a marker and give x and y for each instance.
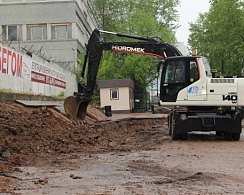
(112, 83)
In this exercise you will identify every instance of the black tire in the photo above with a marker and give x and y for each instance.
(174, 135)
(219, 133)
(183, 136)
(170, 123)
(236, 136)
(228, 136)
(170, 130)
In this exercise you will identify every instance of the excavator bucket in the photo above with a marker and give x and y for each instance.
(75, 108)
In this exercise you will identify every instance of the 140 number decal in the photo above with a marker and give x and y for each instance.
(232, 98)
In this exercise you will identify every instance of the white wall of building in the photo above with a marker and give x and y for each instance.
(122, 103)
(183, 48)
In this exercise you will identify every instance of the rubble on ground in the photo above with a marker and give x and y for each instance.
(33, 135)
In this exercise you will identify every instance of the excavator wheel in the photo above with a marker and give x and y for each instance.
(228, 136)
(219, 133)
(236, 136)
(170, 123)
(174, 134)
(183, 136)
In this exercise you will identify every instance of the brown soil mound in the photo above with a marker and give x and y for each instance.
(38, 135)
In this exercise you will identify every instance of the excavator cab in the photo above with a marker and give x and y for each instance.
(177, 73)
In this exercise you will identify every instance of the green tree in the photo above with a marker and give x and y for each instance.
(219, 35)
(197, 38)
(157, 18)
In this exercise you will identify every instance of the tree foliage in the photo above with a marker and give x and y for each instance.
(218, 35)
(154, 18)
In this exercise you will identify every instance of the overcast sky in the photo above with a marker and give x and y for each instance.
(188, 12)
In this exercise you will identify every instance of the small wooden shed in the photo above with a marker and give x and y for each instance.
(117, 93)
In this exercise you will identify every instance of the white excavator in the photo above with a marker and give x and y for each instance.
(198, 101)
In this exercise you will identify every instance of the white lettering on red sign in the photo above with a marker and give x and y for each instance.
(45, 79)
(15, 64)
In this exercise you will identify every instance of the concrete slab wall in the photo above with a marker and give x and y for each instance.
(20, 73)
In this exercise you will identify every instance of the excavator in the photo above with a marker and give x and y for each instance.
(198, 101)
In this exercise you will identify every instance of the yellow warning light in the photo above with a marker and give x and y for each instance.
(194, 52)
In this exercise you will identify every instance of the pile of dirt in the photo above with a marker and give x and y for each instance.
(33, 136)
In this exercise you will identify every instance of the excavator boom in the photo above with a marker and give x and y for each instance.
(75, 106)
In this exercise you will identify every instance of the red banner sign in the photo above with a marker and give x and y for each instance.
(18, 65)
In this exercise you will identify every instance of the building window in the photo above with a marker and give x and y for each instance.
(62, 31)
(114, 94)
(12, 33)
(78, 55)
(85, 14)
(37, 32)
(11, 1)
(35, 0)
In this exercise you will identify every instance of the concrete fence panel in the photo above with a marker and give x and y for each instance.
(20, 73)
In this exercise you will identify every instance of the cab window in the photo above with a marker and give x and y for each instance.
(193, 72)
(175, 72)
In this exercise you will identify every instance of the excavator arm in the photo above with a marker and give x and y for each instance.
(75, 106)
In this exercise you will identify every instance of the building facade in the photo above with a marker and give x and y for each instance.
(183, 48)
(56, 30)
(117, 93)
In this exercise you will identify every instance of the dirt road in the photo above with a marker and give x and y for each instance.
(132, 156)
